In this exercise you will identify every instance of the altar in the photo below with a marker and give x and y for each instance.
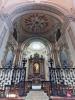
(36, 72)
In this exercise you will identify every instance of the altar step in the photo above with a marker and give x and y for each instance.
(36, 95)
(36, 87)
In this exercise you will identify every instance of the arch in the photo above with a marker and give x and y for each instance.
(22, 8)
(40, 39)
(48, 46)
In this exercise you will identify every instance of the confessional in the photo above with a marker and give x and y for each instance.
(36, 71)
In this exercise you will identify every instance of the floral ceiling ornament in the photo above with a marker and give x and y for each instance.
(36, 23)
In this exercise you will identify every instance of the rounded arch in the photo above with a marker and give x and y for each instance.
(40, 39)
(22, 8)
(46, 55)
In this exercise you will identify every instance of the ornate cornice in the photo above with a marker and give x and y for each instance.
(25, 8)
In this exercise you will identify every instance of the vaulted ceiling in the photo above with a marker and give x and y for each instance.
(36, 18)
(67, 4)
(36, 24)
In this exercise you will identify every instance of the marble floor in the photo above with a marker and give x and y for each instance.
(37, 95)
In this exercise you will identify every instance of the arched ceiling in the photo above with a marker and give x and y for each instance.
(36, 24)
(13, 8)
(7, 6)
(67, 4)
(36, 18)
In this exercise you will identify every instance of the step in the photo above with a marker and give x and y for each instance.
(36, 95)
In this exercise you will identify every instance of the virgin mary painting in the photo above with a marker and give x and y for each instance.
(36, 68)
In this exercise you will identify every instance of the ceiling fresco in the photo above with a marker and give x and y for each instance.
(36, 24)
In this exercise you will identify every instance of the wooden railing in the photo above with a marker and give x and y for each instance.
(21, 91)
(11, 78)
(61, 81)
(46, 87)
(28, 87)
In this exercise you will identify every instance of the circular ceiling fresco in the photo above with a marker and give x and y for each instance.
(36, 23)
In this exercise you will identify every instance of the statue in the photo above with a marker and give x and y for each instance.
(24, 62)
(51, 62)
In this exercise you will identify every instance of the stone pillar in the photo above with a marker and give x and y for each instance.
(55, 53)
(70, 37)
(4, 34)
(17, 52)
(5, 55)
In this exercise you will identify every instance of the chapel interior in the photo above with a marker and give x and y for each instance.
(37, 49)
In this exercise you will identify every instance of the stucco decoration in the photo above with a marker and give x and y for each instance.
(37, 23)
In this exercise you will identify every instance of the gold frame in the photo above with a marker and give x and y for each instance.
(36, 68)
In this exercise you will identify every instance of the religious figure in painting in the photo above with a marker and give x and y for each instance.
(36, 68)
